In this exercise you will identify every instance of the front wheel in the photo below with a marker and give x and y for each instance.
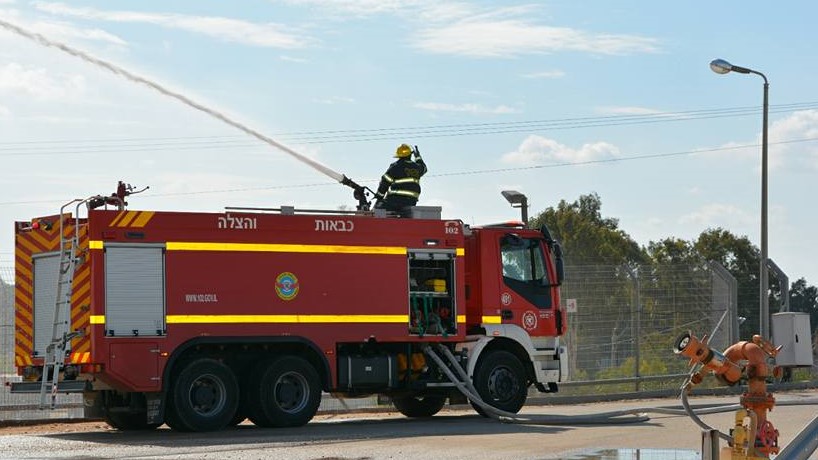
(500, 380)
(419, 405)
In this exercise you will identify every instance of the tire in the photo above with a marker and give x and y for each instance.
(129, 421)
(419, 405)
(205, 396)
(501, 381)
(172, 419)
(127, 414)
(283, 392)
(479, 409)
(237, 419)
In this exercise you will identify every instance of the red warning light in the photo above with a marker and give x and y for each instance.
(35, 225)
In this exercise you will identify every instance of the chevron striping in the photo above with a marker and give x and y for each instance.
(48, 244)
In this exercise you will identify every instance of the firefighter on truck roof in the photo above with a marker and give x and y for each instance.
(400, 184)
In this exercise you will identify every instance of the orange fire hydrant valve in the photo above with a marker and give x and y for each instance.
(726, 368)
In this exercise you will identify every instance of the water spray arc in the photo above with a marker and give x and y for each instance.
(360, 194)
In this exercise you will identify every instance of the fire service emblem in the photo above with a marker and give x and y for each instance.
(529, 320)
(287, 286)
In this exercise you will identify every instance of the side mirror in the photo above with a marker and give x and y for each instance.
(560, 265)
(546, 234)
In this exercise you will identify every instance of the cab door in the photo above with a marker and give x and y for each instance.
(528, 293)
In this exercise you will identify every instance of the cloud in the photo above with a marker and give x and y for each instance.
(628, 111)
(5, 113)
(358, 7)
(508, 32)
(792, 143)
(718, 215)
(40, 83)
(537, 150)
(59, 30)
(466, 29)
(226, 29)
(63, 30)
(332, 100)
(468, 108)
(545, 74)
(298, 60)
(798, 126)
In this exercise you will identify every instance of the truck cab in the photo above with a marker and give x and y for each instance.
(513, 276)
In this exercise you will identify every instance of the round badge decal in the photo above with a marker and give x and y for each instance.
(286, 286)
(505, 299)
(529, 320)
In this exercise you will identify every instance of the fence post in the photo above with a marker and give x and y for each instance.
(636, 316)
(732, 298)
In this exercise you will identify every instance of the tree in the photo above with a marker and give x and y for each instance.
(586, 237)
(673, 251)
(596, 249)
(741, 258)
(804, 299)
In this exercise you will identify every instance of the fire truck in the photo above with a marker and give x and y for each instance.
(202, 320)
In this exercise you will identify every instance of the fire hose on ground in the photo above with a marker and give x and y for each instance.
(625, 416)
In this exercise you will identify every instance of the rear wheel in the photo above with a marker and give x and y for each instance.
(501, 382)
(419, 405)
(205, 396)
(286, 392)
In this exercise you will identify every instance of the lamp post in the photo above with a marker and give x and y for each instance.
(721, 66)
(517, 200)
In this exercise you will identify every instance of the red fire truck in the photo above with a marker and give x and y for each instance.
(200, 320)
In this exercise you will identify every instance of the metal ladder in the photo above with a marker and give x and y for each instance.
(60, 334)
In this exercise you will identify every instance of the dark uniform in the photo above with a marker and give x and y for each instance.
(400, 185)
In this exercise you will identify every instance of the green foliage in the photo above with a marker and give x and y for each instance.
(804, 299)
(647, 366)
(742, 259)
(588, 238)
(670, 271)
(672, 251)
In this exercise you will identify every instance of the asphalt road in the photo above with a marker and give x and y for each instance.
(450, 435)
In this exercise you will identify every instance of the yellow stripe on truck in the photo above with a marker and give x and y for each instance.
(293, 319)
(305, 248)
(292, 248)
(221, 319)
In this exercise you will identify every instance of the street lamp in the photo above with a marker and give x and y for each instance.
(517, 200)
(721, 66)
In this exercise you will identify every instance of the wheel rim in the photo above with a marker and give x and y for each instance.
(291, 392)
(503, 384)
(208, 395)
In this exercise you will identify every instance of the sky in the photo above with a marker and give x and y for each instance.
(555, 99)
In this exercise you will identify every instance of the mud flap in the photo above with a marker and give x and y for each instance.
(154, 406)
(92, 405)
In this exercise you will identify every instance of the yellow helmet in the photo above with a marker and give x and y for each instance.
(403, 151)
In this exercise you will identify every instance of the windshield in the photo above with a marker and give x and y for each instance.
(522, 258)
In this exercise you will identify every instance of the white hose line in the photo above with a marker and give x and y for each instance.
(634, 415)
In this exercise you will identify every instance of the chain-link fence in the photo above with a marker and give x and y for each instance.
(622, 325)
(623, 321)
(22, 407)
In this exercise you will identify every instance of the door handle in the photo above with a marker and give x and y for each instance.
(506, 314)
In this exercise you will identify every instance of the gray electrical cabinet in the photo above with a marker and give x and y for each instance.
(792, 330)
